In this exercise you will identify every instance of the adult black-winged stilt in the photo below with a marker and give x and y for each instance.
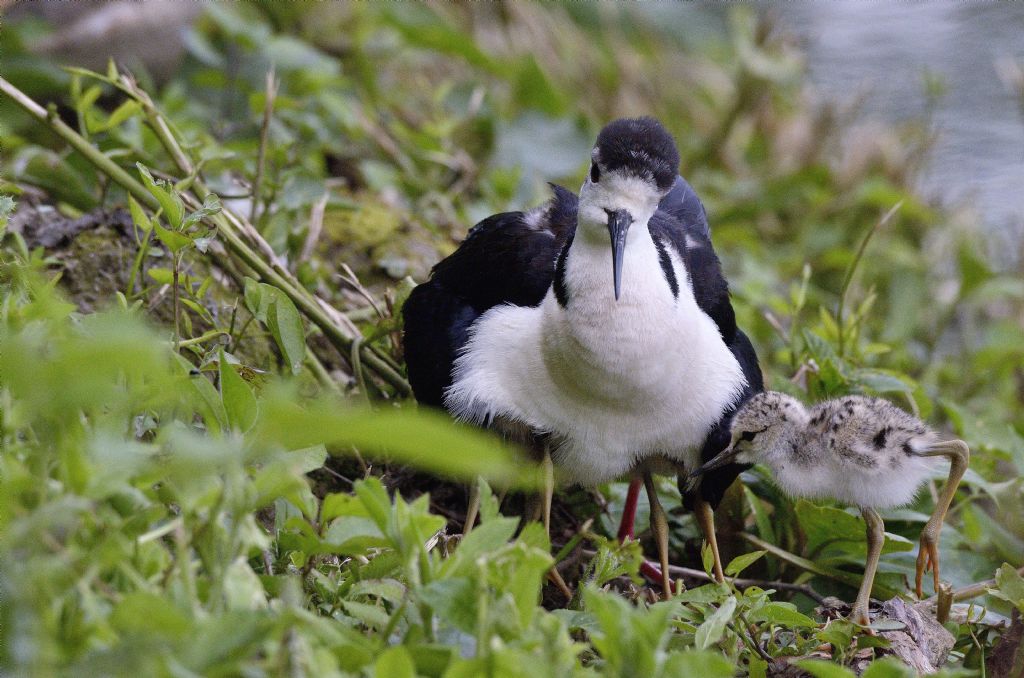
(522, 329)
(860, 451)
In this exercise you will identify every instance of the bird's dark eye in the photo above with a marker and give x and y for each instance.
(748, 435)
(595, 173)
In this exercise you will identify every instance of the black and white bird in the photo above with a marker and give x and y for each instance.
(861, 451)
(600, 328)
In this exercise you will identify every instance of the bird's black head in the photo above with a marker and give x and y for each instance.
(633, 167)
(639, 147)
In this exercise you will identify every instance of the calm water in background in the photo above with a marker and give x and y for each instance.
(884, 49)
(879, 52)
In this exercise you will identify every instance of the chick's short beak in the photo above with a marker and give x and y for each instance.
(723, 458)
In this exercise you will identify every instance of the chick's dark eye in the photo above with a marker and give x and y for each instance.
(748, 435)
(595, 173)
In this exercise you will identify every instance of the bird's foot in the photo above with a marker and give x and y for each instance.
(653, 572)
(859, 615)
(927, 559)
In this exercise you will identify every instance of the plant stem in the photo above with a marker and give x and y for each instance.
(261, 157)
(206, 336)
(852, 268)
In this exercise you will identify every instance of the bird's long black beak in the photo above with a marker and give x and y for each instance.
(618, 225)
(723, 458)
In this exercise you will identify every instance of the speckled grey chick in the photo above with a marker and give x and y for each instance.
(857, 450)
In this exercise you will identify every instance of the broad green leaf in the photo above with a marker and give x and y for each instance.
(490, 507)
(707, 558)
(211, 206)
(142, 613)
(824, 669)
(372, 616)
(742, 562)
(394, 662)
(286, 326)
(142, 221)
(353, 535)
(453, 600)
(484, 539)
(783, 614)
(708, 593)
(170, 203)
(711, 631)
(375, 501)
(242, 588)
(239, 402)
(888, 667)
(421, 438)
(1009, 586)
(126, 110)
(257, 300)
(309, 458)
(702, 663)
(163, 276)
(834, 528)
(390, 590)
(173, 240)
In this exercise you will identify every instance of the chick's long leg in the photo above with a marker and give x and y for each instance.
(706, 519)
(928, 555)
(659, 526)
(876, 537)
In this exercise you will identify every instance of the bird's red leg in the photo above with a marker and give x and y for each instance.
(647, 568)
(629, 510)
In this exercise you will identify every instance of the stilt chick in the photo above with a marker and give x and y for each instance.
(861, 451)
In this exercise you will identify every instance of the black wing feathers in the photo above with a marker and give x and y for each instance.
(682, 222)
(507, 258)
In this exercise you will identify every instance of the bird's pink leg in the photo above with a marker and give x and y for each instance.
(629, 510)
(647, 568)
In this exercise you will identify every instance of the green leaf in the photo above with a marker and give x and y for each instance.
(142, 222)
(490, 507)
(485, 539)
(173, 240)
(286, 327)
(211, 206)
(711, 631)
(740, 563)
(702, 663)
(828, 527)
(239, 402)
(707, 558)
(257, 300)
(163, 276)
(394, 662)
(422, 438)
(783, 614)
(143, 613)
(1009, 586)
(824, 669)
(170, 203)
(888, 667)
(453, 600)
(126, 110)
